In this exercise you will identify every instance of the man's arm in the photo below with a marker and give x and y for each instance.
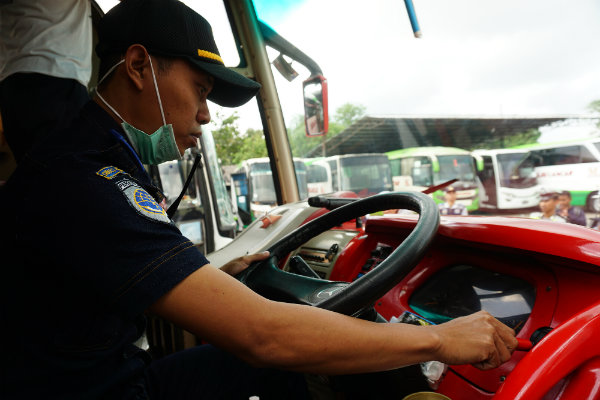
(226, 313)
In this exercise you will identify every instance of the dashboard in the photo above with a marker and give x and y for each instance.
(467, 269)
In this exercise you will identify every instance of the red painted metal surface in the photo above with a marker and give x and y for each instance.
(546, 237)
(585, 382)
(564, 350)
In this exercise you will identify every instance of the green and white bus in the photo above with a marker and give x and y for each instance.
(569, 165)
(508, 180)
(417, 168)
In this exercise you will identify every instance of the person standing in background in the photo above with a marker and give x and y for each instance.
(45, 67)
(548, 202)
(573, 214)
(450, 206)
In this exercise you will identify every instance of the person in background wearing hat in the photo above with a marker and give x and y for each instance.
(450, 206)
(85, 270)
(548, 202)
(573, 214)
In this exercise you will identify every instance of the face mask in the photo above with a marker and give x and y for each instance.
(155, 148)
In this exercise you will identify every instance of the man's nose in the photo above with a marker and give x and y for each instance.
(203, 115)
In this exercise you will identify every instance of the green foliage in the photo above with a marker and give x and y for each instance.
(234, 147)
(344, 116)
(594, 106)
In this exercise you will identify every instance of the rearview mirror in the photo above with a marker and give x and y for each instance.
(316, 116)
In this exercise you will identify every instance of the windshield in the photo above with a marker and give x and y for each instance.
(516, 170)
(366, 175)
(473, 83)
(459, 167)
(261, 182)
(263, 188)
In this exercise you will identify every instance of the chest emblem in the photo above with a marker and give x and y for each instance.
(109, 172)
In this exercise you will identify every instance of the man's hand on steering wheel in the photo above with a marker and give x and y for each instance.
(239, 264)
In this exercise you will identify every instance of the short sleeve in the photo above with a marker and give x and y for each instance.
(114, 238)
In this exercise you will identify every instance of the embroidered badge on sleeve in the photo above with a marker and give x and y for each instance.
(141, 200)
(109, 172)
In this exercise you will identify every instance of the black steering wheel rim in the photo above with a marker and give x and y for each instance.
(266, 278)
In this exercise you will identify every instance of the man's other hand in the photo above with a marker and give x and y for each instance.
(239, 264)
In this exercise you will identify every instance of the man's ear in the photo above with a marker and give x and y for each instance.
(137, 65)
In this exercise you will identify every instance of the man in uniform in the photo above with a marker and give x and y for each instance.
(548, 203)
(450, 206)
(573, 214)
(89, 250)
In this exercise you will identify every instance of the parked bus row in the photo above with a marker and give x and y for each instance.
(488, 180)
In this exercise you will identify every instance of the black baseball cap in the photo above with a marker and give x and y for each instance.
(170, 28)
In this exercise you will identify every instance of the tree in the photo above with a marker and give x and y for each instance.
(234, 147)
(594, 106)
(253, 145)
(347, 113)
(344, 116)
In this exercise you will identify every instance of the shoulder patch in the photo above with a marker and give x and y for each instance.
(141, 200)
(109, 172)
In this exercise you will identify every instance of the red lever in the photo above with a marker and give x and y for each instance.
(524, 344)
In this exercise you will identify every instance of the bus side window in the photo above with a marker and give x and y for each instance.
(562, 155)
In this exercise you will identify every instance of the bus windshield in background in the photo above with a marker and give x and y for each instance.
(455, 167)
(301, 178)
(261, 181)
(516, 170)
(369, 174)
(225, 213)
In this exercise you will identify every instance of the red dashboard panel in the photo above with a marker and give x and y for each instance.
(562, 263)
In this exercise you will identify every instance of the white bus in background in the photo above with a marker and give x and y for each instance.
(417, 168)
(508, 180)
(572, 166)
(364, 174)
(254, 189)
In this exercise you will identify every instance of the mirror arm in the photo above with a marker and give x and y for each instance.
(274, 40)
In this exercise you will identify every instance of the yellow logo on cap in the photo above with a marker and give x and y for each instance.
(208, 54)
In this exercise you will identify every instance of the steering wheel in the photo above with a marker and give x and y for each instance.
(266, 278)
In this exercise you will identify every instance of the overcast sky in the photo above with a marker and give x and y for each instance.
(476, 57)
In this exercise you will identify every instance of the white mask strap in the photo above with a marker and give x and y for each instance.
(162, 113)
(109, 71)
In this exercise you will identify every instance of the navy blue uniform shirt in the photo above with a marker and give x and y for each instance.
(86, 250)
